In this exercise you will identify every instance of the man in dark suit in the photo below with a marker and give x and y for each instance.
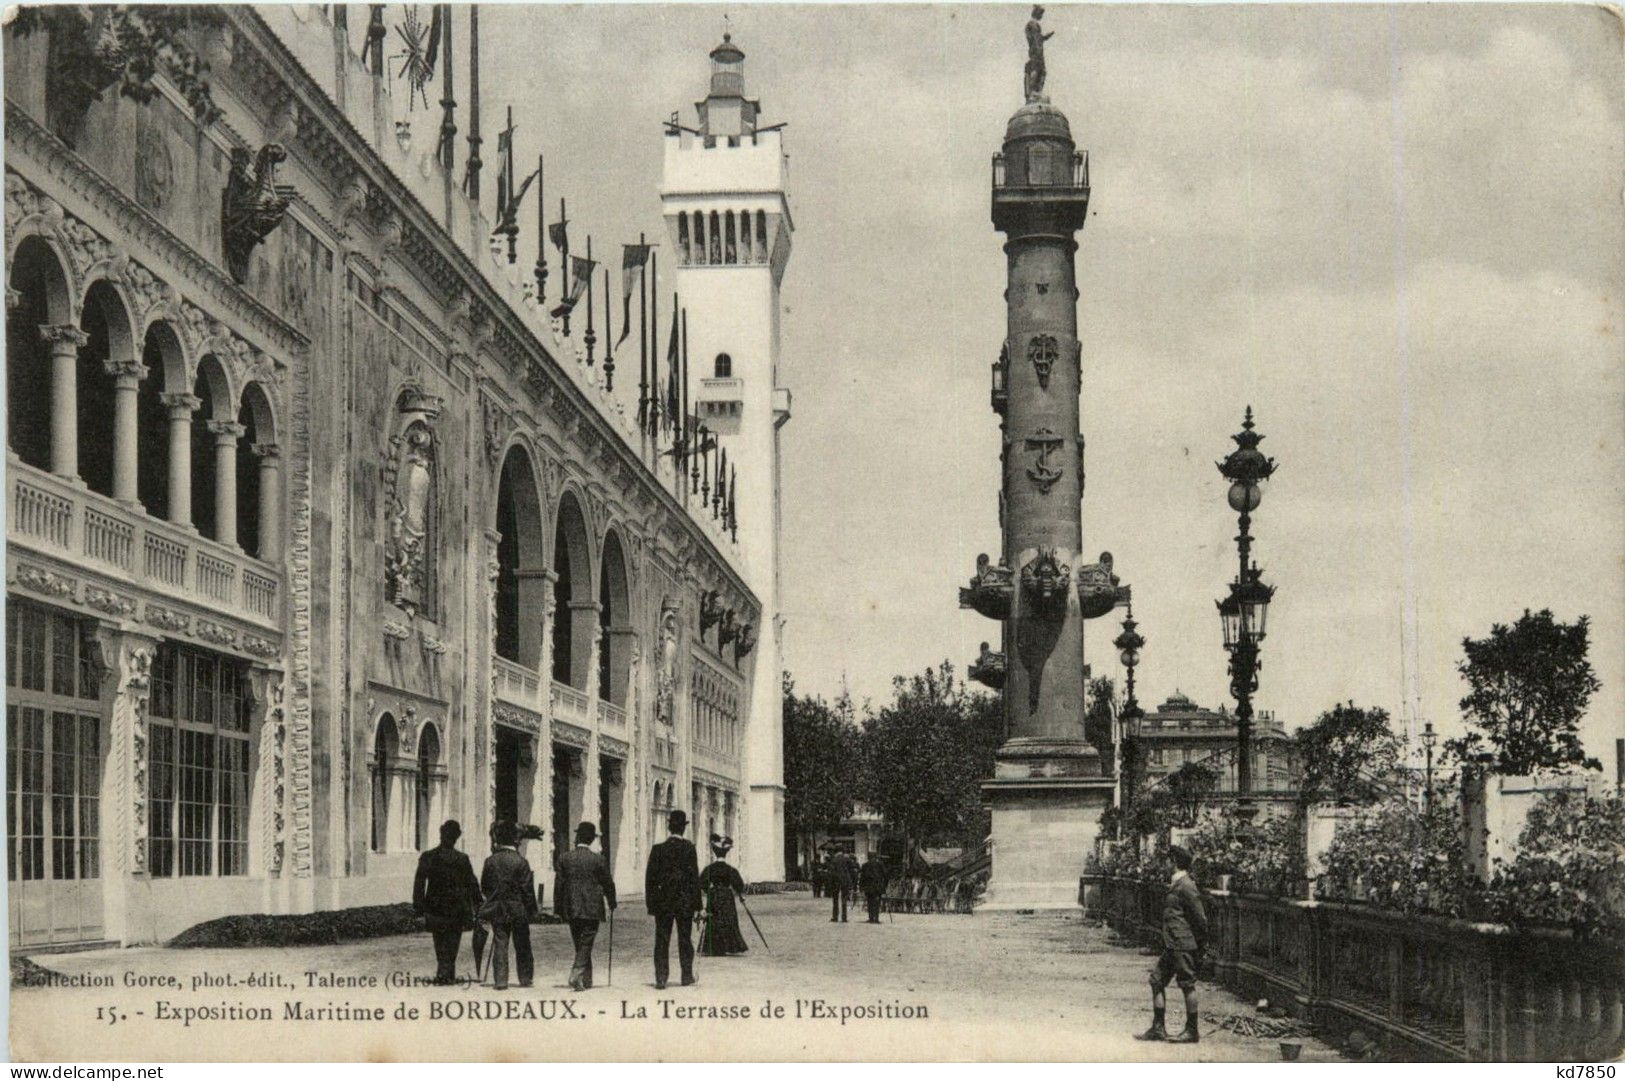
(872, 880)
(1184, 937)
(842, 880)
(510, 905)
(581, 891)
(446, 894)
(671, 888)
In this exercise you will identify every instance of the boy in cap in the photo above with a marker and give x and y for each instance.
(1184, 937)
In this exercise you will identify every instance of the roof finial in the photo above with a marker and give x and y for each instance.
(727, 28)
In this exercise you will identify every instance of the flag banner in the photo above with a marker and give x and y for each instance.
(633, 258)
(580, 277)
(671, 382)
(510, 210)
(558, 233)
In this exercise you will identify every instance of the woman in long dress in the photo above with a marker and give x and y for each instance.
(719, 882)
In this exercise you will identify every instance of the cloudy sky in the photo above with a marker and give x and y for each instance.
(1397, 233)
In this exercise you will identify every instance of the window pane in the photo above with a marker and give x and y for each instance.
(163, 683)
(203, 689)
(64, 781)
(183, 686)
(12, 619)
(89, 663)
(28, 800)
(233, 806)
(161, 802)
(195, 806)
(32, 648)
(90, 773)
(64, 665)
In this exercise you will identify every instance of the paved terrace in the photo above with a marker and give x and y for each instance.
(994, 986)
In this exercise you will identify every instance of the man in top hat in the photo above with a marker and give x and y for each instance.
(446, 894)
(581, 890)
(872, 881)
(510, 905)
(671, 888)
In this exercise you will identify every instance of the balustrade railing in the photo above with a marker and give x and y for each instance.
(610, 715)
(568, 703)
(1431, 987)
(516, 683)
(53, 516)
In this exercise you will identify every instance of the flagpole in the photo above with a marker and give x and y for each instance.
(704, 486)
(473, 164)
(733, 507)
(541, 233)
(564, 266)
(682, 415)
(643, 346)
(448, 104)
(609, 337)
(722, 470)
(590, 337)
(654, 348)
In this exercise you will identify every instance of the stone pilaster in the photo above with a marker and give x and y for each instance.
(226, 434)
(270, 508)
(127, 376)
(180, 407)
(65, 341)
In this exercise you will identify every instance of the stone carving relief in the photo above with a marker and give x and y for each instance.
(1042, 473)
(1043, 350)
(989, 591)
(498, 426)
(253, 205)
(216, 633)
(1099, 590)
(411, 500)
(167, 620)
(988, 668)
(41, 580)
(1044, 579)
(746, 640)
(666, 674)
(114, 604)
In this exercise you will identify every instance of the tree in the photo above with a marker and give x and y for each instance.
(926, 754)
(1098, 718)
(821, 768)
(1348, 755)
(1528, 685)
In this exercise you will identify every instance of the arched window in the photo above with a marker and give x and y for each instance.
(716, 238)
(761, 236)
(101, 323)
(385, 749)
(40, 342)
(730, 250)
(683, 250)
(431, 782)
(725, 366)
(699, 237)
(744, 237)
(575, 622)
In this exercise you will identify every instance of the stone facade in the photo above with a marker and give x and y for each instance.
(336, 537)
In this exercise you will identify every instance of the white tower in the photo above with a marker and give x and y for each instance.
(729, 223)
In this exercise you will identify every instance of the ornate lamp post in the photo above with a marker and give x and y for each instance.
(1129, 644)
(1243, 612)
(1429, 738)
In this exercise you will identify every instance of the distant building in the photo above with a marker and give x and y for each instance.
(1179, 732)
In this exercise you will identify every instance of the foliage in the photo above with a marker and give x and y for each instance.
(1098, 717)
(1348, 754)
(1528, 687)
(1399, 857)
(1568, 869)
(1260, 857)
(126, 45)
(925, 755)
(821, 765)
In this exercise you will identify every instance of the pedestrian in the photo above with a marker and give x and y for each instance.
(671, 889)
(818, 876)
(841, 882)
(872, 880)
(719, 882)
(1184, 937)
(582, 889)
(446, 894)
(510, 905)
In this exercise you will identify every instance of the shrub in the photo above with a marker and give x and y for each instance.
(1568, 870)
(1261, 857)
(1398, 857)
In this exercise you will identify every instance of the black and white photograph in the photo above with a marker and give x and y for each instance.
(800, 532)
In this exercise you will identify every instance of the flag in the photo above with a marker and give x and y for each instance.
(508, 211)
(671, 372)
(560, 237)
(580, 278)
(633, 258)
(432, 49)
(504, 170)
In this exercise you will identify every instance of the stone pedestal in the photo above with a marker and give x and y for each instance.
(1046, 800)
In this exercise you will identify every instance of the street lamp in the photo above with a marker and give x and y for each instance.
(1429, 738)
(1129, 644)
(1244, 613)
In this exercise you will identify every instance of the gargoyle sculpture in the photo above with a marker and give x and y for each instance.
(1044, 580)
(1098, 588)
(252, 206)
(988, 668)
(989, 590)
(710, 609)
(746, 640)
(729, 629)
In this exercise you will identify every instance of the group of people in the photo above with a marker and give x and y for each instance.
(842, 878)
(504, 898)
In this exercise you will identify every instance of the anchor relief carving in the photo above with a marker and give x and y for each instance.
(1043, 351)
(1041, 471)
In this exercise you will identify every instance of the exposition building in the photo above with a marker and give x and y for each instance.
(318, 532)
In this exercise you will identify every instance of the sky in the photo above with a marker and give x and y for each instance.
(1397, 233)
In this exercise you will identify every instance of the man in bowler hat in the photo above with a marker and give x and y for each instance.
(671, 888)
(510, 905)
(446, 894)
(581, 890)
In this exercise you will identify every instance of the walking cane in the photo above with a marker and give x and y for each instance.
(754, 924)
(610, 980)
